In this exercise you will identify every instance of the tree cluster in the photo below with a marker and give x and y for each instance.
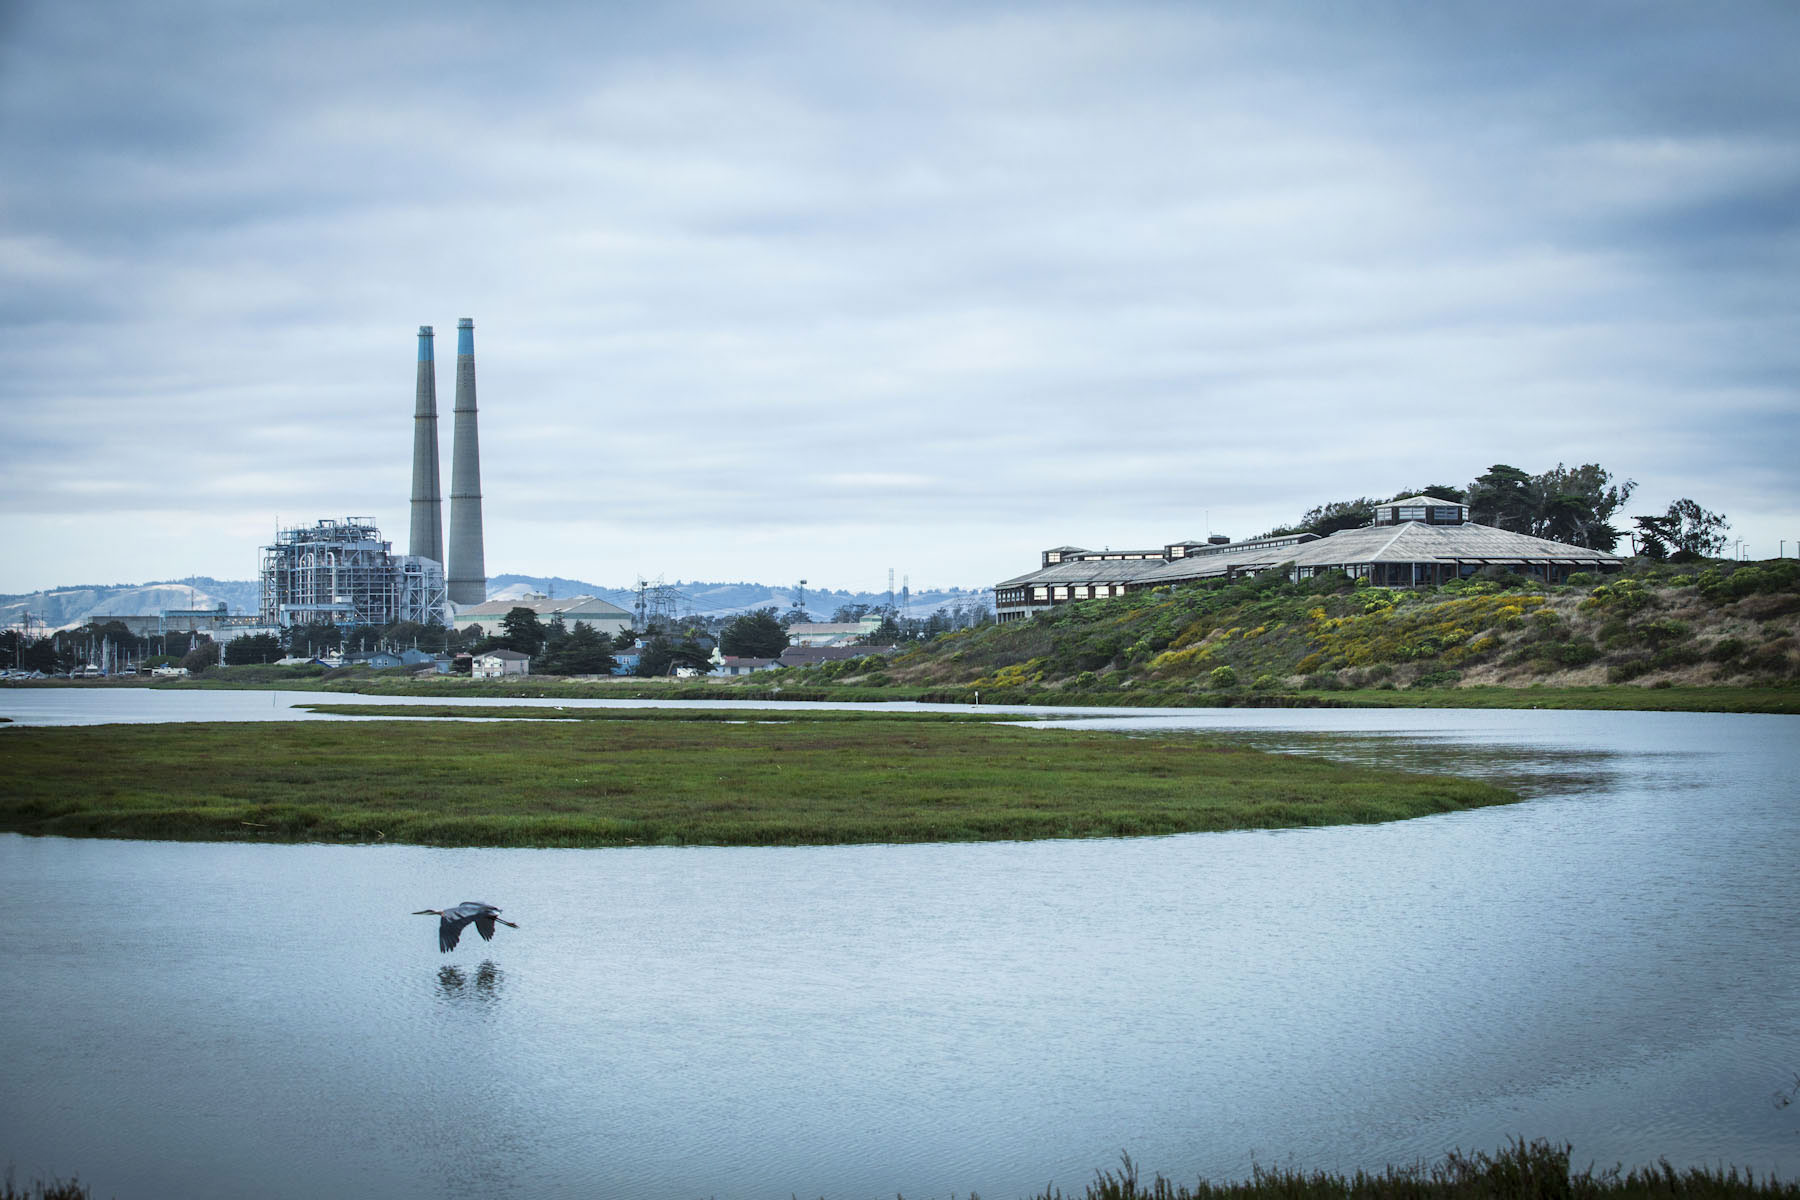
(756, 634)
(1571, 505)
(664, 655)
(253, 648)
(1574, 505)
(555, 649)
(1684, 533)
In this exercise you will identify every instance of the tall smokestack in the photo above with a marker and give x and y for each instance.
(427, 540)
(466, 570)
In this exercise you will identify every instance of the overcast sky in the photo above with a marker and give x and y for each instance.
(766, 291)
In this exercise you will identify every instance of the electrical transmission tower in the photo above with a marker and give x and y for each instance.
(658, 604)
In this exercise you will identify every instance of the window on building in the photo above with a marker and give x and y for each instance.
(1059, 593)
(1039, 593)
(1410, 512)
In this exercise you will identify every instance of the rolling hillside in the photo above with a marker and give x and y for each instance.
(1718, 623)
(67, 607)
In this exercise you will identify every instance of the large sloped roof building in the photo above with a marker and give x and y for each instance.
(1415, 542)
(603, 615)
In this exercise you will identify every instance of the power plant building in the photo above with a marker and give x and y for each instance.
(342, 573)
(602, 616)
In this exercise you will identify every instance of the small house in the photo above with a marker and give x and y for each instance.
(496, 663)
(732, 664)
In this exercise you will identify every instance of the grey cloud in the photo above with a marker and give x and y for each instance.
(726, 264)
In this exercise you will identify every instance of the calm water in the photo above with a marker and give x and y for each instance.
(1612, 963)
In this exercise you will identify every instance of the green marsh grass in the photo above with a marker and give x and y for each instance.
(642, 779)
(1679, 698)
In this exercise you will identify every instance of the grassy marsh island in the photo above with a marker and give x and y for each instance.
(623, 777)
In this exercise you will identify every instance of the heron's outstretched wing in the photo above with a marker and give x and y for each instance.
(449, 932)
(484, 925)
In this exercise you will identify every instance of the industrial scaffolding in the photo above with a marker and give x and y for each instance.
(342, 573)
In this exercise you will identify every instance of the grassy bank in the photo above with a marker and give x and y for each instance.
(783, 780)
(794, 686)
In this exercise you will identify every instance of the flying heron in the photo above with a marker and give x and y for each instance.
(452, 920)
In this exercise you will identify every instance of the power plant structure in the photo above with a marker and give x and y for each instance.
(427, 538)
(342, 573)
(465, 569)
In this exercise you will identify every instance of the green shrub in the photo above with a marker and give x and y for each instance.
(1772, 658)
(1576, 652)
(1762, 606)
(1222, 678)
(1721, 584)
(1624, 596)
(1327, 583)
(1546, 626)
(1675, 656)
(1726, 649)
(1659, 633)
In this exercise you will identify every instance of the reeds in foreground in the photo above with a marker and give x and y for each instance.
(1521, 1171)
(56, 1189)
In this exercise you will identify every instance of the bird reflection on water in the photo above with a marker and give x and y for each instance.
(455, 986)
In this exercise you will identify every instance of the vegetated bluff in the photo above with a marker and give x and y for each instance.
(1718, 623)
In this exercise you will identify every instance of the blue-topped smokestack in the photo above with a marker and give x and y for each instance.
(467, 569)
(427, 540)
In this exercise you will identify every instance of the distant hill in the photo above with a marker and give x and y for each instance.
(715, 599)
(67, 607)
